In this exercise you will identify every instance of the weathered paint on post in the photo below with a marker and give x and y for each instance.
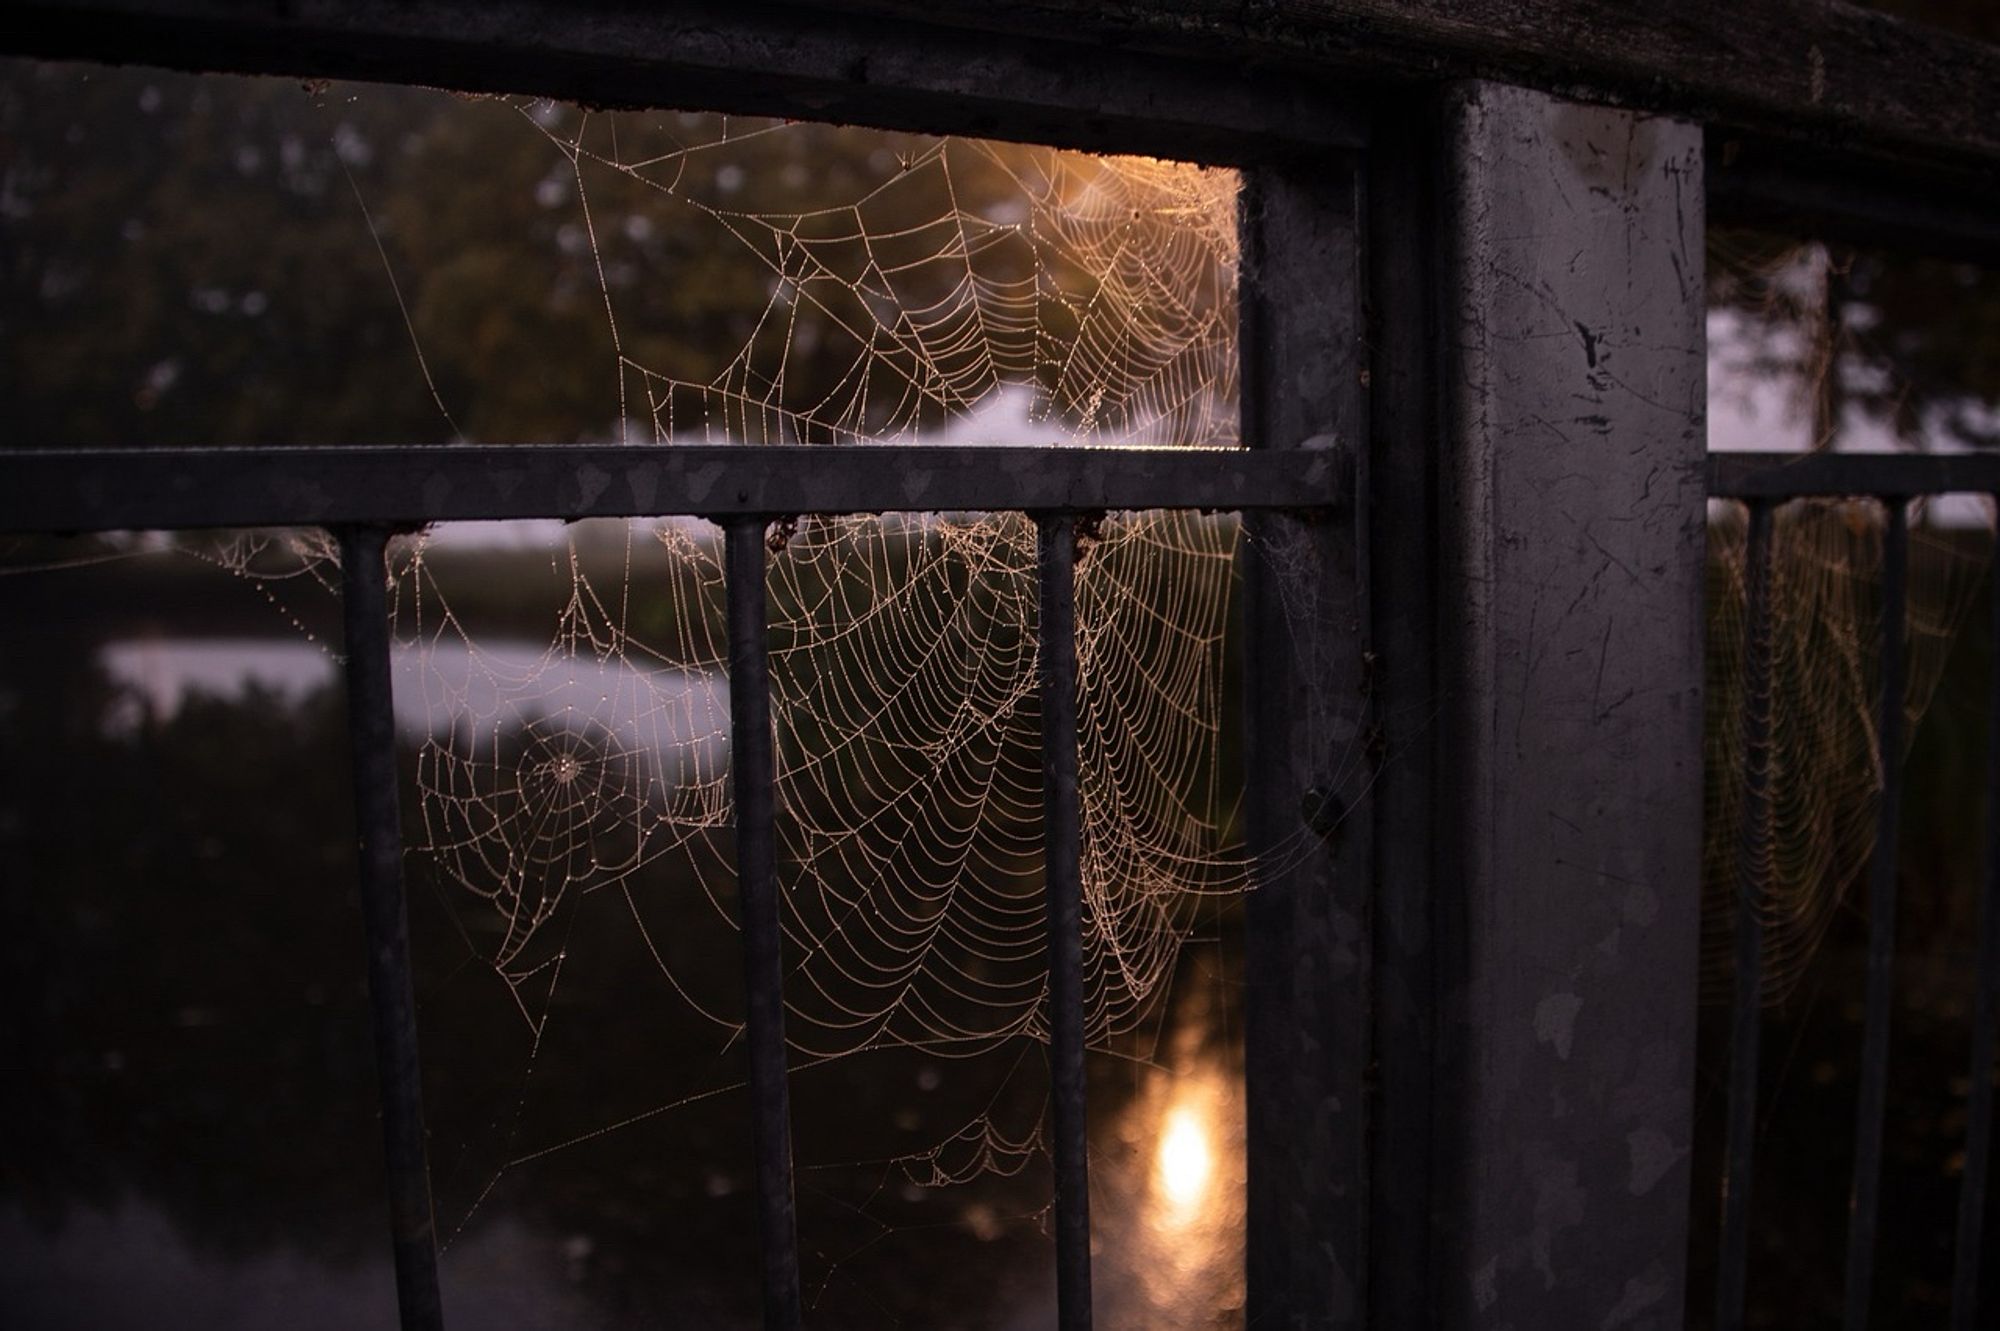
(1573, 508)
(1307, 756)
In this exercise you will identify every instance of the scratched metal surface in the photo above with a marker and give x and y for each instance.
(1574, 506)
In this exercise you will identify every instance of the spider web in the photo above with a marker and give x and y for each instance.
(903, 675)
(1786, 338)
(551, 274)
(1825, 778)
(979, 293)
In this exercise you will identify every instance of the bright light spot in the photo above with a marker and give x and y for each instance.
(1185, 1162)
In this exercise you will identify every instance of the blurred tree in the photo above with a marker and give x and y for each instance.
(238, 261)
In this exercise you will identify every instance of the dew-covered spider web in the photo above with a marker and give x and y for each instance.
(960, 292)
(978, 293)
(908, 727)
(1800, 361)
(344, 264)
(1824, 776)
(973, 293)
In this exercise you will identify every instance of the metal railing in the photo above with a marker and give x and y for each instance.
(1764, 482)
(362, 494)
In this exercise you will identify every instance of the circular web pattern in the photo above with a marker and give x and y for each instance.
(1098, 292)
(974, 293)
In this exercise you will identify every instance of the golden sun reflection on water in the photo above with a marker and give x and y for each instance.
(1184, 1160)
(1172, 1227)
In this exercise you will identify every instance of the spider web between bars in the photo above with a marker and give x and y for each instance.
(1824, 776)
(909, 770)
(1094, 293)
(525, 272)
(1786, 338)
(981, 293)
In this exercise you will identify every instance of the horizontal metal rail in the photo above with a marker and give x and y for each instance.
(930, 66)
(1804, 475)
(76, 490)
(742, 57)
(1774, 187)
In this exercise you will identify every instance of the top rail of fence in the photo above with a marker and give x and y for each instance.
(1800, 475)
(79, 490)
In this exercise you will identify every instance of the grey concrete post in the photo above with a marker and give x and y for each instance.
(1572, 512)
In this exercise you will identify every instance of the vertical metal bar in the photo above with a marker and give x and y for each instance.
(1986, 1009)
(371, 729)
(1751, 866)
(1310, 760)
(1864, 1200)
(1063, 833)
(753, 765)
(1402, 263)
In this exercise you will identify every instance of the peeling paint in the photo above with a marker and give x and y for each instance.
(1559, 1205)
(1653, 1154)
(1486, 1284)
(1574, 516)
(1642, 1291)
(1555, 1021)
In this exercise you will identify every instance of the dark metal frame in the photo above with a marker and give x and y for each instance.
(1764, 482)
(1313, 1027)
(1803, 69)
(357, 492)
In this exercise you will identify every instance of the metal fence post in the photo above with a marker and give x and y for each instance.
(1969, 1249)
(1308, 755)
(1574, 518)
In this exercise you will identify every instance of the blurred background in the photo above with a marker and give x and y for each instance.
(247, 262)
